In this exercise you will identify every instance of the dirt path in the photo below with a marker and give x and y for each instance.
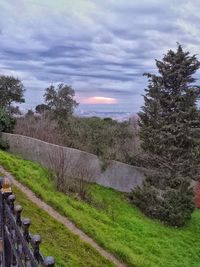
(62, 219)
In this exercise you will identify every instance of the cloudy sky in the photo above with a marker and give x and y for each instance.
(100, 47)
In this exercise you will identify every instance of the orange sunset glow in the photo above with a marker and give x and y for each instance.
(99, 100)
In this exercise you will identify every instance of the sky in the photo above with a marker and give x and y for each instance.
(99, 47)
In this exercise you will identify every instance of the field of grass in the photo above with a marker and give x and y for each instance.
(114, 223)
(67, 248)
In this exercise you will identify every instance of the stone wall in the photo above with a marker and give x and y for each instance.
(78, 163)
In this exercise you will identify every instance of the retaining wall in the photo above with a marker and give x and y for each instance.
(78, 163)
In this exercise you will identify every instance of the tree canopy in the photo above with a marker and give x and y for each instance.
(60, 100)
(41, 108)
(11, 90)
(7, 123)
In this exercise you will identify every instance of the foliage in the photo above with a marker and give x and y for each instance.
(112, 221)
(41, 108)
(168, 121)
(172, 206)
(58, 241)
(105, 138)
(11, 90)
(108, 139)
(29, 113)
(170, 117)
(15, 110)
(7, 122)
(3, 144)
(60, 101)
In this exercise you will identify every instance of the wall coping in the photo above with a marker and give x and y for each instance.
(77, 150)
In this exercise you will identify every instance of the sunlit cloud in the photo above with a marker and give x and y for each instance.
(99, 100)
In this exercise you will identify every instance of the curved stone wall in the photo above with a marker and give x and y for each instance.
(116, 175)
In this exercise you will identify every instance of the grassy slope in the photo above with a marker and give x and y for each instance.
(66, 247)
(121, 228)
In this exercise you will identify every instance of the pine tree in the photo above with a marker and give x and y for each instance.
(169, 125)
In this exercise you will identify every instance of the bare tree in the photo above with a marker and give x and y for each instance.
(69, 173)
(39, 127)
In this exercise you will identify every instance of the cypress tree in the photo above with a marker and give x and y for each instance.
(169, 127)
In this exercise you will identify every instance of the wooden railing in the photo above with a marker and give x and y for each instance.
(18, 247)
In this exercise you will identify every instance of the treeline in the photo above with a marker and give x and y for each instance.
(53, 121)
(106, 138)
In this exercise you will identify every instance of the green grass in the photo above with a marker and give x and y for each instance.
(116, 224)
(67, 248)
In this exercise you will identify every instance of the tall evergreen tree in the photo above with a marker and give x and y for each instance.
(169, 124)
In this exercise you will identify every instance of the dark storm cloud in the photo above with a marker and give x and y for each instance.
(100, 48)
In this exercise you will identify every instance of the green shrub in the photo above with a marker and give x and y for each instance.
(171, 206)
(107, 138)
(4, 144)
(7, 123)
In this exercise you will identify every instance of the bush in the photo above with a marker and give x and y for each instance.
(109, 139)
(4, 144)
(7, 123)
(69, 175)
(171, 206)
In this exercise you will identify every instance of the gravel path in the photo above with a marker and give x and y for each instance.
(64, 220)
